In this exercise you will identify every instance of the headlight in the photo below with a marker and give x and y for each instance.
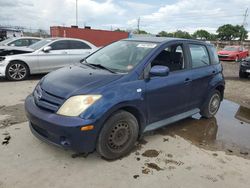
(76, 105)
(2, 58)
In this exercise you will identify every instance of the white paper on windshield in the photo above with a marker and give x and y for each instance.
(146, 45)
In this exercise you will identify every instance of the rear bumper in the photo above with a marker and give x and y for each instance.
(60, 130)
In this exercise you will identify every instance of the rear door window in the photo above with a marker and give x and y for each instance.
(78, 45)
(60, 45)
(199, 55)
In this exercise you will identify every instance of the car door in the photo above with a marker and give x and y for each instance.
(167, 96)
(55, 58)
(201, 73)
(78, 50)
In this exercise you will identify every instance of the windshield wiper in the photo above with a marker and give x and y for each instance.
(92, 65)
(101, 67)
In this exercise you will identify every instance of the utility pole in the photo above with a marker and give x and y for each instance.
(244, 24)
(138, 25)
(76, 12)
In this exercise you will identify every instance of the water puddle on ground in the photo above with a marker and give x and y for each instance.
(15, 113)
(228, 131)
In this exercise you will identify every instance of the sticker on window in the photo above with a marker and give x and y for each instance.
(146, 45)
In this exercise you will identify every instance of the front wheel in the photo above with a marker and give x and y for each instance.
(212, 105)
(243, 74)
(118, 135)
(17, 71)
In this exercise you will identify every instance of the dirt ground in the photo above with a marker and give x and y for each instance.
(190, 153)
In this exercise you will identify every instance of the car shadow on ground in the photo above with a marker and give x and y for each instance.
(30, 78)
(236, 78)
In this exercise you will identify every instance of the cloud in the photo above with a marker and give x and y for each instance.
(156, 15)
(192, 14)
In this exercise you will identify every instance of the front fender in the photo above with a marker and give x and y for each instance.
(129, 95)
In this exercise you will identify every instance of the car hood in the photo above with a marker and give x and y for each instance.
(76, 79)
(222, 52)
(12, 50)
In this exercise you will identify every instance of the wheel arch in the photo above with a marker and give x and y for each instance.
(139, 115)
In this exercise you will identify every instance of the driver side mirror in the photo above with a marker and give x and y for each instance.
(159, 70)
(47, 49)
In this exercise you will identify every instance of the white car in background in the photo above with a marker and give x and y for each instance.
(44, 56)
(20, 41)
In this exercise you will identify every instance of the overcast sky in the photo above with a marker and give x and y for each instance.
(156, 15)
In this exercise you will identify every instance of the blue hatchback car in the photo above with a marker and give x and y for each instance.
(132, 86)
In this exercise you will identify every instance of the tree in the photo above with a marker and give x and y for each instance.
(141, 32)
(242, 33)
(177, 34)
(119, 30)
(230, 32)
(165, 34)
(202, 34)
(182, 34)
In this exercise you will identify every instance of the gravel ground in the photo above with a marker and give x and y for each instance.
(171, 158)
(237, 90)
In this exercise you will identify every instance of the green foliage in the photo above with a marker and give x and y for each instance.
(226, 32)
(202, 34)
(182, 34)
(119, 30)
(229, 32)
(141, 32)
(177, 34)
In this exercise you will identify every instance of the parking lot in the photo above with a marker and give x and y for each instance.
(191, 153)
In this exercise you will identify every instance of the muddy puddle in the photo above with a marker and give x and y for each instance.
(15, 114)
(229, 131)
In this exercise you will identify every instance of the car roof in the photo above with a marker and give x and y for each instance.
(65, 38)
(15, 38)
(163, 39)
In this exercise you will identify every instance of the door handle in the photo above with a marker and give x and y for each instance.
(64, 52)
(187, 80)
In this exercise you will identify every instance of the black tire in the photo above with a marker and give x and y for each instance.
(17, 71)
(118, 135)
(243, 74)
(212, 105)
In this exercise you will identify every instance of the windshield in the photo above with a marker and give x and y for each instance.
(40, 44)
(4, 42)
(230, 48)
(121, 56)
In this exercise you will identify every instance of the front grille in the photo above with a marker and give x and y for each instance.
(47, 100)
(245, 63)
(40, 131)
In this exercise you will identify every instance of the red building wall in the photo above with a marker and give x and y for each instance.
(96, 37)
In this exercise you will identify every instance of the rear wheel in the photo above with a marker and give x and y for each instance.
(212, 105)
(118, 135)
(17, 71)
(243, 74)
